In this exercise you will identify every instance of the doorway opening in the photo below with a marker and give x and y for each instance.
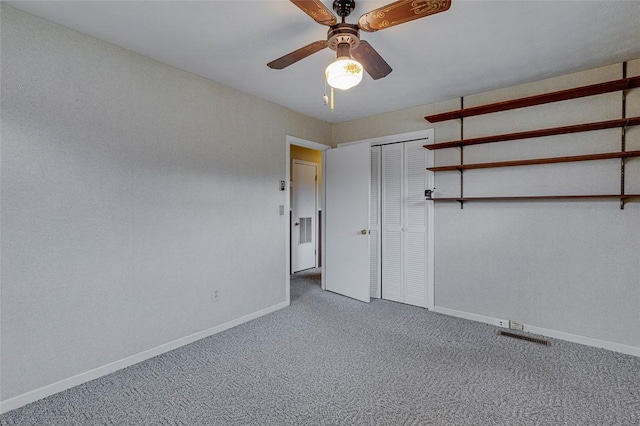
(304, 201)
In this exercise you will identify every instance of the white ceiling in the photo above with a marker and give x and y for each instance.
(475, 46)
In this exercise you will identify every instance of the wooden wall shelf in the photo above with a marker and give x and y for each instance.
(562, 95)
(532, 161)
(609, 124)
(578, 92)
(622, 197)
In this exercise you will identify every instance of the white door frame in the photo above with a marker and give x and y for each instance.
(292, 140)
(428, 136)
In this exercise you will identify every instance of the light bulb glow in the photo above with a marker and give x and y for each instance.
(344, 73)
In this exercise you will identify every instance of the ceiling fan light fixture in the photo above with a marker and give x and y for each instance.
(344, 73)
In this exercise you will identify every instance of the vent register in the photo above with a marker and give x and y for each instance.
(305, 230)
(525, 338)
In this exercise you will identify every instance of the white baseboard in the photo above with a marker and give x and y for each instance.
(48, 390)
(575, 338)
(465, 315)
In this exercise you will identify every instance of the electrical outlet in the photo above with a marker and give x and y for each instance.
(516, 326)
(215, 295)
(502, 323)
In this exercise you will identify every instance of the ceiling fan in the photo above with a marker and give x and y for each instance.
(344, 38)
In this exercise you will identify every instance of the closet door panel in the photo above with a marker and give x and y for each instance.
(403, 222)
(374, 226)
(415, 291)
(416, 176)
(392, 288)
(392, 186)
(392, 222)
(415, 229)
(374, 240)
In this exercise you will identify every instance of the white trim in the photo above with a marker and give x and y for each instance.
(323, 227)
(583, 340)
(431, 229)
(556, 334)
(68, 383)
(466, 315)
(293, 140)
(378, 225)
(306, 163)
(401, 137)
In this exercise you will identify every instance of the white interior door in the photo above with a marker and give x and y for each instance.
(304, 215)
(346, 212)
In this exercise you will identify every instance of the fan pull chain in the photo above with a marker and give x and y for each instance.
(325, 98)
(332, 99)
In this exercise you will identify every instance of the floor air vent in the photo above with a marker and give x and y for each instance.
(527, 338)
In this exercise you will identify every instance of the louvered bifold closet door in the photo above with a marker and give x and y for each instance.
(374, 224)
(415, 224)
(392, 222)
(403, 223)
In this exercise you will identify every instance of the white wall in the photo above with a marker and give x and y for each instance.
(130, 190)
(571, 268)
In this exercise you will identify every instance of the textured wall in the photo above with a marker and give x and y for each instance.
(569, 266)
(130, 190)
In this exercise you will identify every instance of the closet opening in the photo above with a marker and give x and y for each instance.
(401, 219)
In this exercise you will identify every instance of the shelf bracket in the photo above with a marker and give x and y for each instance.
(623, 132)
(461, 154)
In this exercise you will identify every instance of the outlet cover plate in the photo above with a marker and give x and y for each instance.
(516, 326)
(502, 323)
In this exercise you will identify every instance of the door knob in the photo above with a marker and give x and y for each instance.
(296, 224)
(363, 231)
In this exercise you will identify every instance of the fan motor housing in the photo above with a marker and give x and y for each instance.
(343, 33)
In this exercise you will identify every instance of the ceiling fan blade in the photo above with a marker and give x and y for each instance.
(317, 11)
(400, 12)
(296, 55)
(371, 60)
